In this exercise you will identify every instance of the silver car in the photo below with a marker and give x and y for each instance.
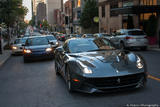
(17, 47)
(52, 40)
(127, 38)
(105, 35)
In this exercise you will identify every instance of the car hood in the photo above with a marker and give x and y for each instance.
(108, 63)
(38, 47)
(17, 45)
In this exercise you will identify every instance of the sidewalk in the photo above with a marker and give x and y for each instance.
(6, 53)
(5, 56)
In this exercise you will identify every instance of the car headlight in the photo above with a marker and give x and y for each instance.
(56, 43)
(48, 49)
(139, 63)
(87, 71)
(14, 48)
(27, 51)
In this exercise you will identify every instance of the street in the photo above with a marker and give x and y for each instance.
(35, 84)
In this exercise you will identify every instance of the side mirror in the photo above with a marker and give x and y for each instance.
(23, 45)
(60, 49)
(51, 43)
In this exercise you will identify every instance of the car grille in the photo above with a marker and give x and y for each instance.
(38, 50)
(115, 81)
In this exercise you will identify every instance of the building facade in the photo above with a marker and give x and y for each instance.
(115, 14)
(68, 16)
(77, 10)
(41, 12)
(35, 4)
(52, 5)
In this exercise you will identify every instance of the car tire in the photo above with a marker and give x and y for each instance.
(69, 82)
(144, 48)
(56, 69)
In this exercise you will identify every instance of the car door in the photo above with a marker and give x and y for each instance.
(62, 58)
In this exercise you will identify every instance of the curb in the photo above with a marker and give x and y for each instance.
(5, 59)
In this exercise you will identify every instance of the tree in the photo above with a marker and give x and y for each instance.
(11, 12)
(90, 11)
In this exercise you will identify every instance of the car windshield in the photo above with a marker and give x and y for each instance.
(37, 41)
(85, 45)
(23, 40)
(136, 32)
(50, 37)
(19, 41)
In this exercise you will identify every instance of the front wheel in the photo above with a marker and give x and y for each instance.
(122, 45)
(144, 48)
(56, 68)
(69, 82)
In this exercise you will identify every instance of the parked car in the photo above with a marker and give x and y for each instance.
(54, 42)
(17, 47)
(95, 65)
(73, 36)
(61, 37)
(105, 35)
(127, 38)
(87, 36)
(37, 47)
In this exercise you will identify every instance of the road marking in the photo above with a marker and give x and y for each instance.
(154, 78)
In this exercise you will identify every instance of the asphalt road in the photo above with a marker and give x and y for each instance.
(36, 85)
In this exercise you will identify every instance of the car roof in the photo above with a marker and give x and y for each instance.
(36, 36)
(77, 39)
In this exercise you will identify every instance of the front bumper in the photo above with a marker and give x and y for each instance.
(137, 44)
(110, 84)
(41, 55)
(17, 51)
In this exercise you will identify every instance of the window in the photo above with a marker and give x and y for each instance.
(78, 14)
(114, 5)
(103, 11)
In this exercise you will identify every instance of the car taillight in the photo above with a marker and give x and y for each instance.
(129, 37)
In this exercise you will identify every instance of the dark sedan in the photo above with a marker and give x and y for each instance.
(94, 65)
(37, 47)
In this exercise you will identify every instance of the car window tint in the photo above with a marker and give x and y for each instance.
(50, 37)
(17, 41)
(81, 45)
